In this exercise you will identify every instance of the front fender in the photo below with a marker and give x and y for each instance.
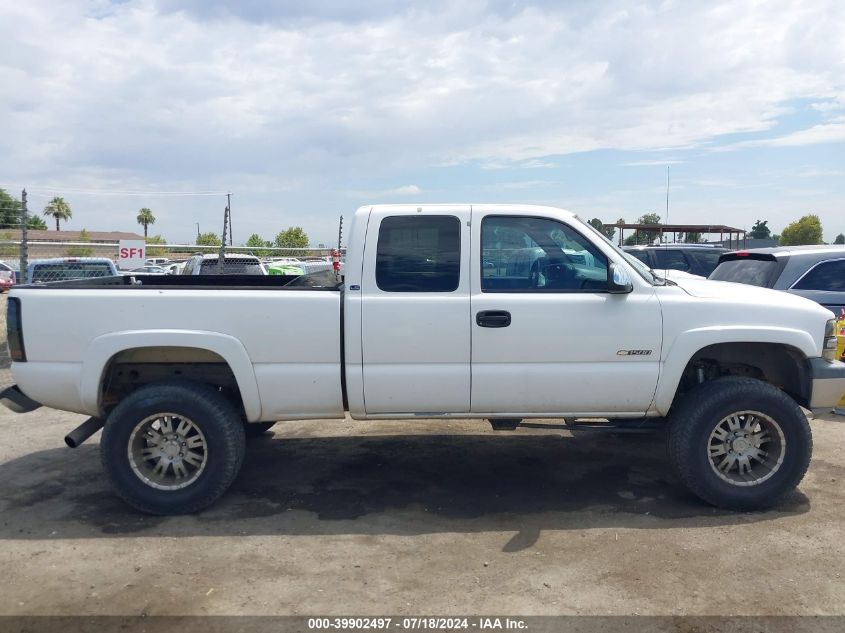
(686, 344)
(103, 348)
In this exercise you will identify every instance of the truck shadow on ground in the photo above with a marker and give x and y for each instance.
(384, 485)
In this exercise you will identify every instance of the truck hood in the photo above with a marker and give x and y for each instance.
(706, 289)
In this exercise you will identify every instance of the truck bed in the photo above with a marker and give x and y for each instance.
(282, 342)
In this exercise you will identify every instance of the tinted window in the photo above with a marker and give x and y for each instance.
(706, 259)
(521, 254)
(419, 254)
(755, 272)
(825, 276)
(640, 255)
(670, 259)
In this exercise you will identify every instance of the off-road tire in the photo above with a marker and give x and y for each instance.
(210, 411)
(697, 416)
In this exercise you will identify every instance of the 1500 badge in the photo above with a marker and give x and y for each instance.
(634, 352)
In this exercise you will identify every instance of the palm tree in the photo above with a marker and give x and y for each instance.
(59, 209)
(146, 217)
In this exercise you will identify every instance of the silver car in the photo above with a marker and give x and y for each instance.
(814, 272)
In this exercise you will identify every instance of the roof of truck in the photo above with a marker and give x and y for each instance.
(524, 209)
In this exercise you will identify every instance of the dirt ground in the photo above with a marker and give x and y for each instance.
(431, 517)
(437, 518)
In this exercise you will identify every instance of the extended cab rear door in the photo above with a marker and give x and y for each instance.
(415, 323)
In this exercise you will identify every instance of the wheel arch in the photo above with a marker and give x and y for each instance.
(105, 350)
(775, 352)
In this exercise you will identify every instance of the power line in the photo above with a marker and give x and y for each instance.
(113, 192)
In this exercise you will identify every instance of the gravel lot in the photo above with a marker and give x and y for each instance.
(436, 518)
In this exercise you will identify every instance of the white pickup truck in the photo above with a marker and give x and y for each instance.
(446, 311)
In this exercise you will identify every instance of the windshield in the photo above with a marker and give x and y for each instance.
(642, 270)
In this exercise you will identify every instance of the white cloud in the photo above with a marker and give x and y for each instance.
(655, 162)
(329, 94)
(404, 190)
(815, 135)
(407, 190)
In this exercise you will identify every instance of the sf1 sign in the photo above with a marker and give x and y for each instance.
(131, 254)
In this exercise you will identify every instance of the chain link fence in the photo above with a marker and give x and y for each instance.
(61, 261)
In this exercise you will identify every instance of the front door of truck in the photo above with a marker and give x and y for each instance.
(415, 332)
(547, 336)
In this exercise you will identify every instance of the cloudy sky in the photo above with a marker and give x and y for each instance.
(306, 110)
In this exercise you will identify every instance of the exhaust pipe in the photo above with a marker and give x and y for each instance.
(84, 431)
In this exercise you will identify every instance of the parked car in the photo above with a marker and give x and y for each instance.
(814, 272)
(145, 270)
(176, 371)
(13, 268)
(696, 259)
(7, 280)
(175, 268)
(157, 261)
(64, 268)
(233, 264)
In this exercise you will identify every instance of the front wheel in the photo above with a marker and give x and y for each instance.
(739, 443)
(172, 448)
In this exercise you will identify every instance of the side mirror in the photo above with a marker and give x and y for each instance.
(618, 280)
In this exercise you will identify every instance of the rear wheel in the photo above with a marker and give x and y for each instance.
(172, 448)
(739, 443)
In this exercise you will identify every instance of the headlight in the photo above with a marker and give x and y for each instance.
(829, 348)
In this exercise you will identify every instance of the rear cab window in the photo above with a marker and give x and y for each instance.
(70, 270)
(232, 266)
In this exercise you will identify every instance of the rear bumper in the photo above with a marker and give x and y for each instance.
(828, 383)
(15, 400)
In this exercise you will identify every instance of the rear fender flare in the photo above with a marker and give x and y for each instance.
(104, 348)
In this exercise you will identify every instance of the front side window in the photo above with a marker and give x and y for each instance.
(828, 276)
(419, 254)
(523, 254)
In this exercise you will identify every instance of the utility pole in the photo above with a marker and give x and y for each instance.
(229, 212)
(24, 238)
(222, 254)
(339, 234)
(667, 195)
(198, 229)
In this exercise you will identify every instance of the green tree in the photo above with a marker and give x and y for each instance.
(259, 245)
(292, 237)
(152, 251)
(10, 211)
(840, 239)
(81, 251)
(608, 229)
(692, 238)
(807, 230)
(36, 222)
(145, 217)
(208, 239)
(644, 236)
(59, 209)
(760, 231)
(256, 241)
